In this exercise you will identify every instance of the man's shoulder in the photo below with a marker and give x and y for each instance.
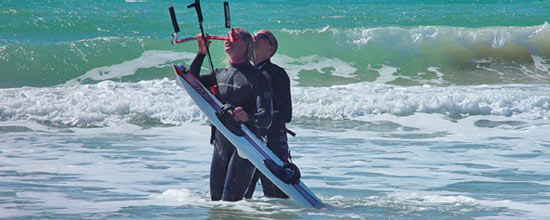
(277, 73)
(259, 75)
(275, 67)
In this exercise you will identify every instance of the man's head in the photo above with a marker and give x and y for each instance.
(265, 44)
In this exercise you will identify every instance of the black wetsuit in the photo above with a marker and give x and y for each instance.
(276, 134)
(239, 85)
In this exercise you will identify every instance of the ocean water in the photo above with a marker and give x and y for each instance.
(403, 109)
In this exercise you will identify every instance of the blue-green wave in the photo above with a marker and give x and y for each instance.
(313, 57)
(321, 43)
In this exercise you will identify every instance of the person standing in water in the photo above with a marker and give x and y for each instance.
(265, 46)
(247, 89)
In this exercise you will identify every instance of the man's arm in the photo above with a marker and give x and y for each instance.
(206, 79)
(285, 105)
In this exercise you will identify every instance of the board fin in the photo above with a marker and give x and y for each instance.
(288, 173)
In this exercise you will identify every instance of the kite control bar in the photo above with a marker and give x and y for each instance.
(197, 7)
(231, 38)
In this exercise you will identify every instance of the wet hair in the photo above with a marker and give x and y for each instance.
(244, 35)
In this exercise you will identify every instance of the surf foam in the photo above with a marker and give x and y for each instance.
(149, 59)
(159, 102)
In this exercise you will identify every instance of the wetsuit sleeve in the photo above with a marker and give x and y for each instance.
(206, 79)
(264, 113)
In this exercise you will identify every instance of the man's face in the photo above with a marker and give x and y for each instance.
(262, 43)
(235, 47)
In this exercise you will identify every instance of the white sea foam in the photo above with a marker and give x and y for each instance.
(409, 202)
(539, 30)
(108, 39)
(352, 101)
(480, 64)
(365, 38)
(187, 197)
(9, 11)
(496, 37)
(428, 32)
(180, 197)
(500, 39)
(386, 74)
(149, 59)
(100, 104)
(542, 64)
(437, 72)
(334, 66)
(433, 199)
(161, 101)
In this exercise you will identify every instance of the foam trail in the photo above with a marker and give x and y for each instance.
(542, 64)
(539, 30)
(181, 197)
(149, 59)
(293, 66)
(437, 72)
(386, 74)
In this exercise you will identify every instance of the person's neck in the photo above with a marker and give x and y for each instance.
(260, 59)
(238, 59)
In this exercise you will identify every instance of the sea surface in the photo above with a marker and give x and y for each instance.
(405, 109)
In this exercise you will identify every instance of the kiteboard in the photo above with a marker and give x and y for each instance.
(249, 146)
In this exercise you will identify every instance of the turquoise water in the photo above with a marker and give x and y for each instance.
(403, 109)
(49, 43)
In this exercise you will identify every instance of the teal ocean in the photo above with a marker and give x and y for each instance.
(47, 43)
(405, 109)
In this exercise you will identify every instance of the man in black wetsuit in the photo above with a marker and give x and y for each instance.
(265, 46)
(249, 90)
